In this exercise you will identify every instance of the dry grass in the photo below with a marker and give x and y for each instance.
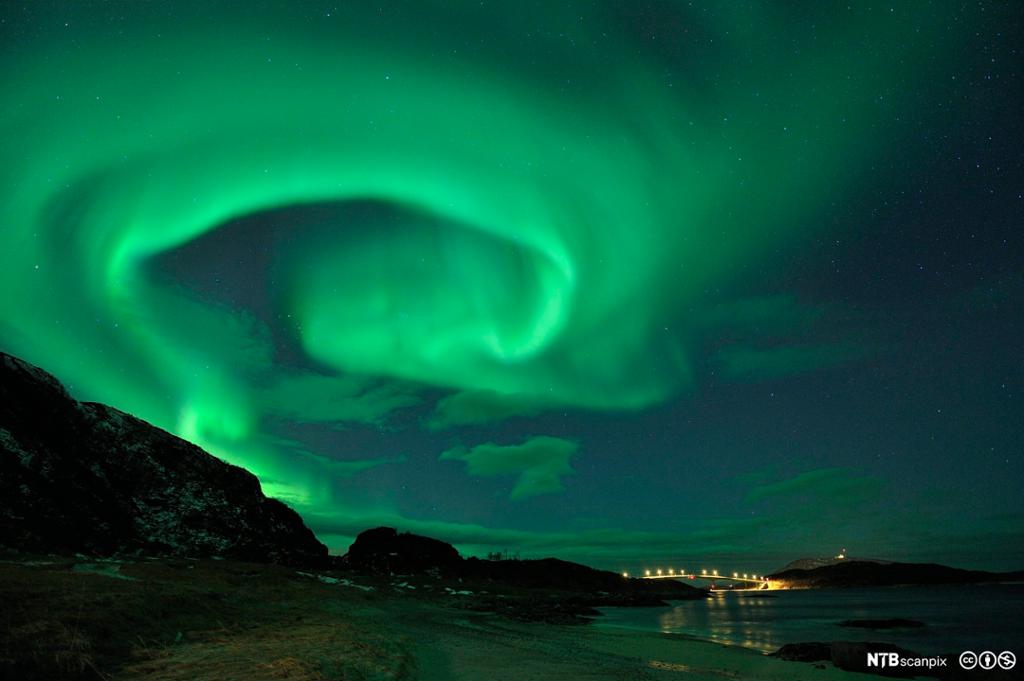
(302, 652)
(190, 620)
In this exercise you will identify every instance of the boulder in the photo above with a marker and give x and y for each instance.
(383, 550)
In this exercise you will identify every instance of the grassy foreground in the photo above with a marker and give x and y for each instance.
(187, 620)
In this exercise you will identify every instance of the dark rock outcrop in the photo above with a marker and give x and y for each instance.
(87, 478)
(850, 656)
(384, 551)
(857, 573)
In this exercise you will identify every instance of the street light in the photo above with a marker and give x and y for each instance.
(703, 572)
(659, 571)
(625, 574)
(647, 573)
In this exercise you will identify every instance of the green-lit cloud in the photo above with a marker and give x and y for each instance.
(316, 474)
(539, 462)
(752, 362)
(835, 486)
(778, 335)
(333, 399)
(763, 315)
(480, 407)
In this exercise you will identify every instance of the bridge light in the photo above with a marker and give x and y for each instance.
(647, 573)
(671, 571)
(625, 574)
(659, 571)
(736, 575)
(714, 572)
(744, 575)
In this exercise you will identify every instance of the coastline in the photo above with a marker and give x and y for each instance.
(453, 644)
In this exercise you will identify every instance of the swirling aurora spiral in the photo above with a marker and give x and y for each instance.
(571, 203)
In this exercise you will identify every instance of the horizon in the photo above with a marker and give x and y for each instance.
(636, 287)
(766, 563)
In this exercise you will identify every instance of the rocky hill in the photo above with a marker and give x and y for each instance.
(812, 563)
(86, 478)
(385, 551)
(858, 573)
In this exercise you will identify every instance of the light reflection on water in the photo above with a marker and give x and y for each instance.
(957, 617)
(725, 617)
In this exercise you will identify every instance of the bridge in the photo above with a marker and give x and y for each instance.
(750, 582)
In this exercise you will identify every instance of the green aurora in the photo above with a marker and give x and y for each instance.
(563, 188)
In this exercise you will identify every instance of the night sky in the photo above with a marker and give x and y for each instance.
(630, 283)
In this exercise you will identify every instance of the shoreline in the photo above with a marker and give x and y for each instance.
(453, 644)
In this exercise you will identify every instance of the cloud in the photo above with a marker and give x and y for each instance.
(314, 398)
(474, 407)
(765, 314)
(779, 335)
(782, 360)
(341, 469)
(835, 484)
(540, 463)
(288, 471)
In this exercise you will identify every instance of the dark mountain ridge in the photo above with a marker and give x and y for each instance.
(811, 563)
(82, 477)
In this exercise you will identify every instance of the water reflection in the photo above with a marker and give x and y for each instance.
(958, 617)
(725, 617)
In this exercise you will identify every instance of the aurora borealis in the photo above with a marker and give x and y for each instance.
(540, 274)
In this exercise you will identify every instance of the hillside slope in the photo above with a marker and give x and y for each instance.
(86, 478)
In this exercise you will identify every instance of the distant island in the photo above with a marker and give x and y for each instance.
(862, 572)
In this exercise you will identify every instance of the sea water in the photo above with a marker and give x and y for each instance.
(974, 617)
